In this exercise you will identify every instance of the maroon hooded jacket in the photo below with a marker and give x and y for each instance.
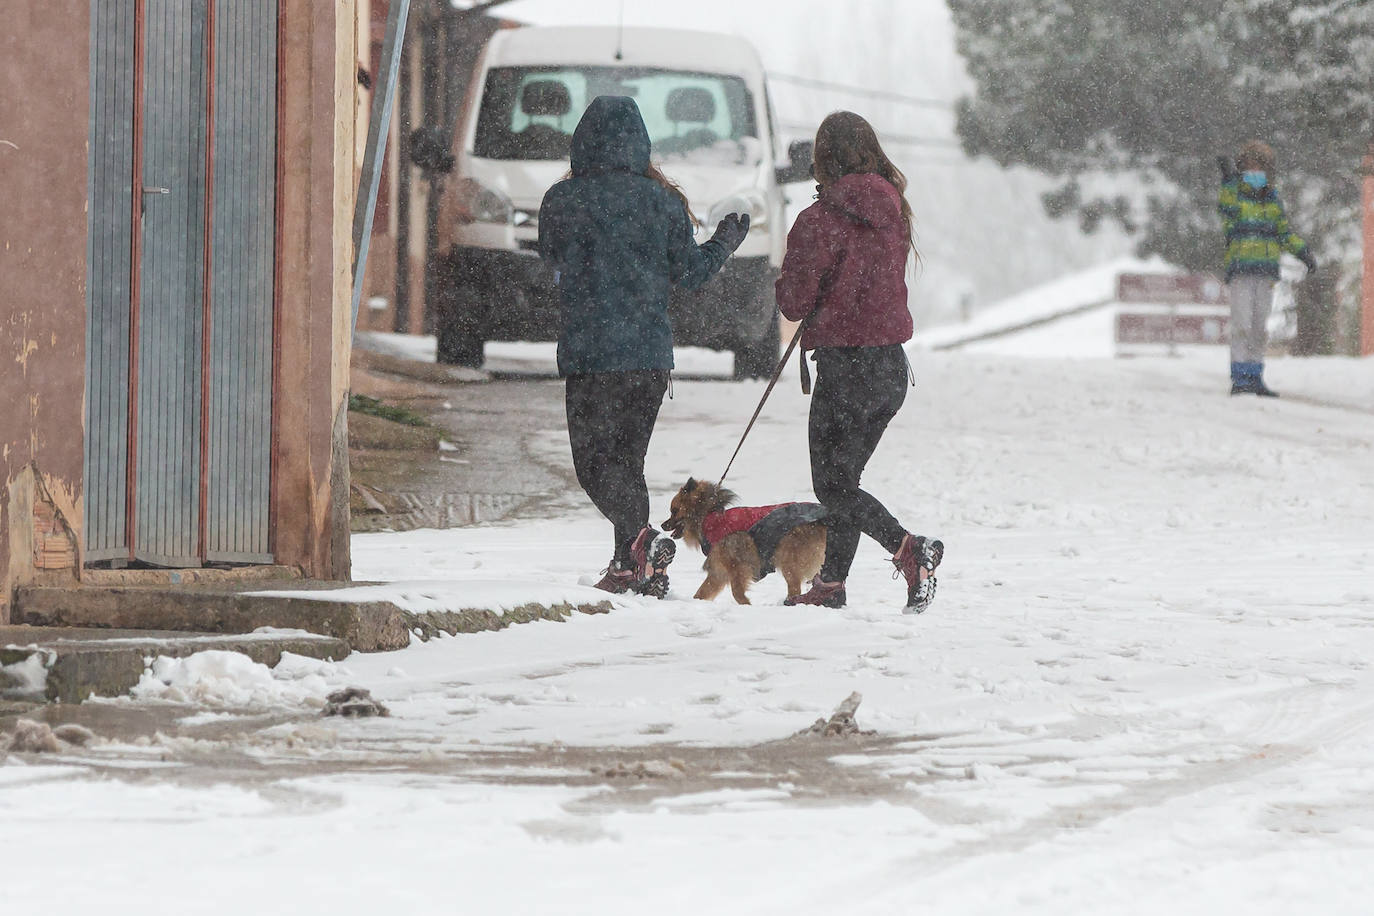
(847, 252)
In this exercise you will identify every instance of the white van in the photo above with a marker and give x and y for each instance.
(706, 106)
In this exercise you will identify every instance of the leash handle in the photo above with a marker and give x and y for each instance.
(777, 373)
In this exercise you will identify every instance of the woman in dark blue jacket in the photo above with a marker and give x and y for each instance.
(618, 235)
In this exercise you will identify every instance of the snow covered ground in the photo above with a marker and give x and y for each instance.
(1145, 686)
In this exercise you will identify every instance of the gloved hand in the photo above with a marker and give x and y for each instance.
(1308, 261)
(732, 230)
(1228, 168)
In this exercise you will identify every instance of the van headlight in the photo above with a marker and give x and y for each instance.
(470, 202)
(751, 202)
(489, 205)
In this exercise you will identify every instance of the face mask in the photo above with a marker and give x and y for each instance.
(1255, 180)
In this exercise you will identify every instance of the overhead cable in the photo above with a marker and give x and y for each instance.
(865, 91)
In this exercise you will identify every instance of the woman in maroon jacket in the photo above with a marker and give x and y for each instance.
(846, 269)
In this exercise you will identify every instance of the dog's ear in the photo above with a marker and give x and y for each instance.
(690, 485)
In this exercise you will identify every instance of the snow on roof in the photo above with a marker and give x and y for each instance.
(686, 49)
(1068, 296)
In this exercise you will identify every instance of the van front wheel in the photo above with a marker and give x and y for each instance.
(459, 346)
(458, 323)
(758, 358)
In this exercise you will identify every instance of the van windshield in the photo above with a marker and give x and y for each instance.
(530, 112)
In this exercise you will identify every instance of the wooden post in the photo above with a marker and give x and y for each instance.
(1367, 285)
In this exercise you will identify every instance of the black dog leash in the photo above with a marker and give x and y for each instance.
(777, 373)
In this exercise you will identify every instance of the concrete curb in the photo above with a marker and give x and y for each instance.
(79, 663)
(371, 626)
(428, 624)
(367, 355)
(99, 640)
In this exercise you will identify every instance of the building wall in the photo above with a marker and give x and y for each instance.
(379, 280)
(44, 130)
(44, 71)
(445, 48)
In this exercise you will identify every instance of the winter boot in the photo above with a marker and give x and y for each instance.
(618, 578)
(1259, 387)
(821, 594)
(915, 554)
(1241, 380)
(650, 555)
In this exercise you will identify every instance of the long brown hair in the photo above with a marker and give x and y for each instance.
(673, 188)
(846, 144)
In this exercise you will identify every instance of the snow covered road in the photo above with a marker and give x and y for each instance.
(1145, 685)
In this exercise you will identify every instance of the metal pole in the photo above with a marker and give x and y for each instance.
(378, 126)
(400, 313)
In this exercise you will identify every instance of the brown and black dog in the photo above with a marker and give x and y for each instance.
(744, 544)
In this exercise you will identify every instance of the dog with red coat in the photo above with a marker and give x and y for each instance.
(743, 544)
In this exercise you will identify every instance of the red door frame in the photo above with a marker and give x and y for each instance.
(203, 491)
(277, 221)
(136, 272)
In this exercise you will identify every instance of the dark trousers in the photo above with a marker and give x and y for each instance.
(858, 392)
(610, 418)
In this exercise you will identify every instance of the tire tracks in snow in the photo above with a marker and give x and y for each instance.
(1289, 732)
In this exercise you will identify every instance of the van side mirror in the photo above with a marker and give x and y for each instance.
(429, 150)
(798, 168)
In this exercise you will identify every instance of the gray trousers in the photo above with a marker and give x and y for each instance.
(1252, 296)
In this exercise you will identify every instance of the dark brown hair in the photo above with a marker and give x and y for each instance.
(674, 189)
(1257, 154)
(671, 186)
(846, 144)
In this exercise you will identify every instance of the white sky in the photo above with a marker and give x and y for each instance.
(820, 39)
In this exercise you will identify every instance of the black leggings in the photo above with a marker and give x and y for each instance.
(858, 392)
(610, 418)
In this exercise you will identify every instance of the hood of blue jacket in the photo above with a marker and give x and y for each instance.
(611, 137)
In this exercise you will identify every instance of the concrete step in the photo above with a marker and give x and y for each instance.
(367, 626)
(196, 575)
(68, 664)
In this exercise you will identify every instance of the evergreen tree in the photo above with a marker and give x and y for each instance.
(1159, 89)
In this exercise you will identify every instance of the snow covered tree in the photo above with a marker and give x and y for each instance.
(1159, 89)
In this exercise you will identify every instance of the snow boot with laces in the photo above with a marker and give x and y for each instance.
(914, 555)
(820, 594)
(617, 578)
(646, 571)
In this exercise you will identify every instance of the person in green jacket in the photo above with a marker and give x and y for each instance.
(1257, 231)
